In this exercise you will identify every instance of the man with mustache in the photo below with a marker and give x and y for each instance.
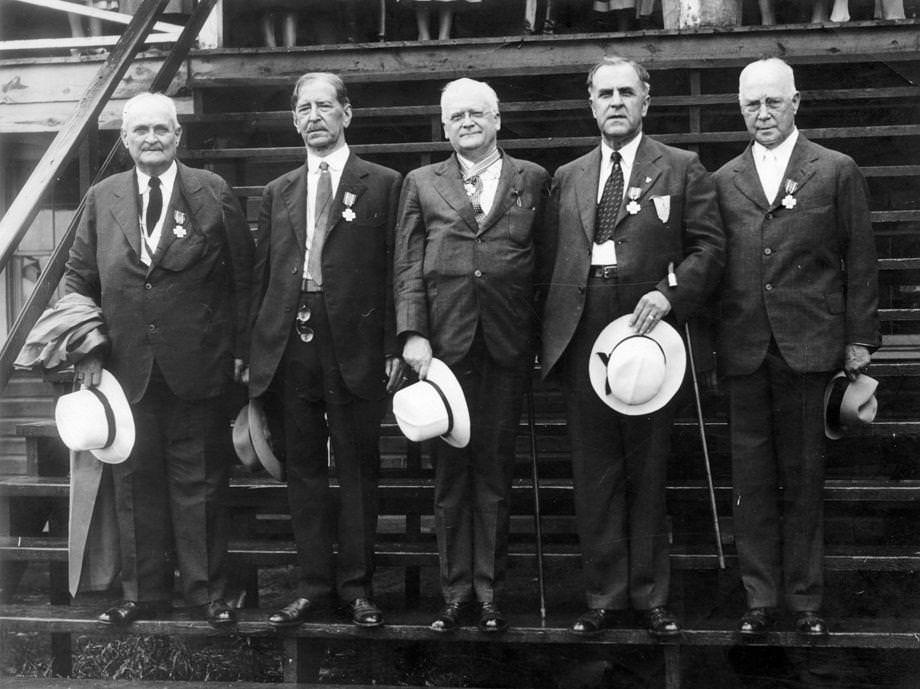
(799, 300)
(166, 253)
(466, 257)
(635, 229)
(324, 343)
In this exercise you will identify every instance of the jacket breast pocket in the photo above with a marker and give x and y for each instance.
(519, 222)
(184, 252)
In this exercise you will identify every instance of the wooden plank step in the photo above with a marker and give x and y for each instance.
(295, 153)
(279, 553)
(68, 683)
(267, 491)
(526, 628)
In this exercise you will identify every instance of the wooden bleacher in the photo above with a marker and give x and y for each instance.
(859, 95)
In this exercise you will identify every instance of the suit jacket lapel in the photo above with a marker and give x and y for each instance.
(125, 211)
(800, 168)
(643, 174)
(586, 191)
(508, 181)
(294, 195)
(449, 184)
(747, 181)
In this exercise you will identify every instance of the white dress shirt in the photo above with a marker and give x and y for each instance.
(336, 160)
(489, 178)
(771, 164)
(167, 182)
(606, 254)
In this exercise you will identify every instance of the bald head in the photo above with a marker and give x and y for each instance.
(769, 100)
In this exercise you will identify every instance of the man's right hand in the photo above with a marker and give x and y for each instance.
(417, 353)
(89, 371)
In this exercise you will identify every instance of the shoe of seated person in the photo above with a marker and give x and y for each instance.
(596, 620)
(295, 613)
(220, 614)
(755, 623)
(365, 613)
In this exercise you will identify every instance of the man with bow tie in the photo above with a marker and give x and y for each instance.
(635, 229)
(324, 344)
(467, 246)
(798, 302)
(166, 253)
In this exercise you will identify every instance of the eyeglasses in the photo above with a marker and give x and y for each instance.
(300, 324)
(771, 104)
(458, 117)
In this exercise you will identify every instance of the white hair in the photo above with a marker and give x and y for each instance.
(491, 98)
(773, 64)
(141, 100)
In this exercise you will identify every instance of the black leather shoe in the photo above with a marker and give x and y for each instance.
(449, 618)
(661, 623)
(755, 623)
(491, 619)
(810, 623)
(365, 613)
(294, 613)
(127, 612)
(219, 614)
(594, 621)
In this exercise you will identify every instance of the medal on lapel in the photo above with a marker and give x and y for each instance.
(633, 206)
(179, 228)
(349, 199)
(789, 200)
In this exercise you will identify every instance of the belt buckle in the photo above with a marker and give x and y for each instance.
(608, 272)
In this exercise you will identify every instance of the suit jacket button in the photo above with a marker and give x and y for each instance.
(768, 287)
(151, 328)
(769, 216)
(767, 251)
(147, 285)
(477, 273)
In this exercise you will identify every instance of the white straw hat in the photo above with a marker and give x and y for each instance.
(434, 407)
(97, 419)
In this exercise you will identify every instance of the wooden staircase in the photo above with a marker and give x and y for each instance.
(860, 88)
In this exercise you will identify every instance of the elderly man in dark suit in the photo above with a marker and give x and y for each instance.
(324, 341)
(166, 253)
(467, 242)
(636, 231)
(798, 302)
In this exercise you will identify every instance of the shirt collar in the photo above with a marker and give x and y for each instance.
(782, 152)
(336, 160)
(627, 151)
(166, 179)
(466, 164)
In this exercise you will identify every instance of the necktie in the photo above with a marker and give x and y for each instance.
(609, 206)
(321, 214)
(154, 204)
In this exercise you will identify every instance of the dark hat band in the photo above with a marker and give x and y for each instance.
(835, 401)
(109, 416)
(607, 388)
(450, 414)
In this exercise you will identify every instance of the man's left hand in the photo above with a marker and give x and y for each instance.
(394, 373)
(652, 307)
(856, 359)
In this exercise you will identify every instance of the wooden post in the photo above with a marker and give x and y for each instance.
(302, 659)
(693, 14)
(672, 666)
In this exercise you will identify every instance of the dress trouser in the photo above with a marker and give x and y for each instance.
(619, 468)
(778, 457)
(473, 484)
(318, 407)
(170, 494)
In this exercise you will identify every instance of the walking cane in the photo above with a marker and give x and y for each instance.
(535, 479)
(699, 416)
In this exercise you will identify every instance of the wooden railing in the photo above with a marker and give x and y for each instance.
(24, 208)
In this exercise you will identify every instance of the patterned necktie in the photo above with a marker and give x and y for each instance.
(476, 198)
(607, 209)
(154, 204)
(321, 214)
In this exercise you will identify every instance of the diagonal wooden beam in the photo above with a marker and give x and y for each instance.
(17, 220)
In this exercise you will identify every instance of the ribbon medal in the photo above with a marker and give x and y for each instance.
(789, 200)
(349, 199)
(633, 206)
(179, 228)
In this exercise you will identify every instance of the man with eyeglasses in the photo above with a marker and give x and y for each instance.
(636, 232)
(467, 246)
(324, 344)
(798, 302)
